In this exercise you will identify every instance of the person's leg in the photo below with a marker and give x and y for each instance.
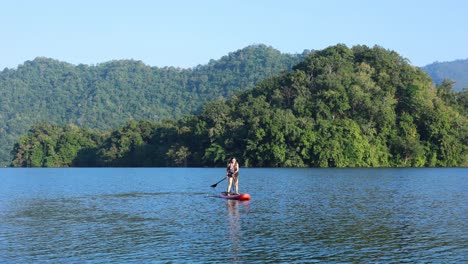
(236, 183)
(229, 184)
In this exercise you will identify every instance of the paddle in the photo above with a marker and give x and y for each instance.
(214, 185)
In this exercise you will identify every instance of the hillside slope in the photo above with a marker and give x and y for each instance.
(339, 107)
(106, 95)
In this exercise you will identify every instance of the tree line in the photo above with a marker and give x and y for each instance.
(106, 95)
(339, 107)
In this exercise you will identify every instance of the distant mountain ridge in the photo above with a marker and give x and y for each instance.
(456, 71)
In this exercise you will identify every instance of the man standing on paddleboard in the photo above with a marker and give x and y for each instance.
(232, 174)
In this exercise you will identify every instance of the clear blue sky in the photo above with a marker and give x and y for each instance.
(187, 33)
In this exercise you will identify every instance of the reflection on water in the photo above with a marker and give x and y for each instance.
(235, 230)
(295, 216)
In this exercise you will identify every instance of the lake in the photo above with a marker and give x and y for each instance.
(169, 215)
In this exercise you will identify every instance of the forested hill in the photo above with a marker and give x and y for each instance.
(457, 71)
(339, 107)
(107, 95)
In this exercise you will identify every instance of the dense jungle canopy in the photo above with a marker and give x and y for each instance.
(338, 107)
(105, 96)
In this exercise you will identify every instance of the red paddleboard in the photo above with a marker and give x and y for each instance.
(233, 196)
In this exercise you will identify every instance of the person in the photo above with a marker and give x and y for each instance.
(232, 174)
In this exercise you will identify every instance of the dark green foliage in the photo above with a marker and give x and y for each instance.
(53, 146)
(107, 95)
(340, 107)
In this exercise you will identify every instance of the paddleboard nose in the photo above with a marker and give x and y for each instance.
(244, 197)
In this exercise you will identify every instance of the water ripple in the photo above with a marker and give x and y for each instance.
(344, 216)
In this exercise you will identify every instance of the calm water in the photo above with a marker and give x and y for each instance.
(173, 215)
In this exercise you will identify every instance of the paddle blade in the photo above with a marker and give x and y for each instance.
(214, 185)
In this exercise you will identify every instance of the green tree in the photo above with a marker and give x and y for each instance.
(339, 107)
